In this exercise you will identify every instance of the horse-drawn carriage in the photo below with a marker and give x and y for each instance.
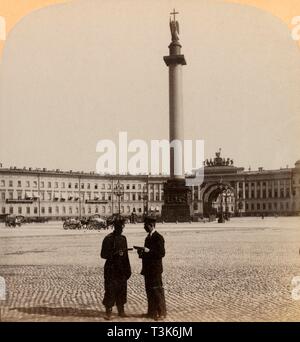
(72, 223)
(13, 221)
(96, 222)
(93, 222)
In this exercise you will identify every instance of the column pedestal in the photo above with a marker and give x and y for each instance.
(177, 201)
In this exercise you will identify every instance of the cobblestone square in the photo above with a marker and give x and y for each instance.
(238, 271)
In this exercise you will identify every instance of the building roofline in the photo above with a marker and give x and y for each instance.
(211, 170)
(76, 174)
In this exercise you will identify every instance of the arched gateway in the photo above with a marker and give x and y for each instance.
(219, 197)
(249, 192)
(220, 190)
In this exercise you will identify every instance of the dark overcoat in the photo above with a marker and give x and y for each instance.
(116, 269)
(152, 270)
(152, 261)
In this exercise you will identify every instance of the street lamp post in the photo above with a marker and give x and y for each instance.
(221, 187)
(39, 198)
(240, 207)
(119, 192)
(227, 194)
(79, 196)
(221, 218)
(145, 198)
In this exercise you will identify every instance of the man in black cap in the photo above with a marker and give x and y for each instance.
(151, 255)
(116, 269)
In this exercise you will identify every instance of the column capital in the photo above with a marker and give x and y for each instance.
(175, 59)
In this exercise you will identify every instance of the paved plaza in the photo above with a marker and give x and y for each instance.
(238, 271)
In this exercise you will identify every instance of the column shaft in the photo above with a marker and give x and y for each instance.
(176, 120)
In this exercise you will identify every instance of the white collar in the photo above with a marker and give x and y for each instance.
(150, 234)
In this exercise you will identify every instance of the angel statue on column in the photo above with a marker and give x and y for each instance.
(174, 26)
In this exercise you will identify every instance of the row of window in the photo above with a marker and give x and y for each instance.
(108, 186)
(265, 194)
(271, 183)
(63, 185)
(69, 210)
(49, 196)
(268, 206)
(70, 185)
(225, 199)
(225, 208)
(258, 206)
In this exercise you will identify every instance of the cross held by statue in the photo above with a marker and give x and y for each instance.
(174, 14)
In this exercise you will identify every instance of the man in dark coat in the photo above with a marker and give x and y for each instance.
(116, 269)
(152, 269)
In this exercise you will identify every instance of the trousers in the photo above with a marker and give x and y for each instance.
(155, 295)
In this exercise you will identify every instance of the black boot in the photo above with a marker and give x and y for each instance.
(108, 312)
(121, 311)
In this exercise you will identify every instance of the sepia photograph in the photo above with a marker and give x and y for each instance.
(149, 162)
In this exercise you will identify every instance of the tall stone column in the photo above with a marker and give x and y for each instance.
(154, 192)
(175, 112)
(284, 188)
(177, 196)
(237, 189)
(159, 192)
(261, 190)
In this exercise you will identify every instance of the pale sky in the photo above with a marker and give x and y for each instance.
(82, 71)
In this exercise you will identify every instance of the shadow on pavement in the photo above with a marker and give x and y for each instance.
(68, 311)
(72, 312)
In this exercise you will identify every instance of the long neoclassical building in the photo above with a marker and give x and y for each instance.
(56, 194)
